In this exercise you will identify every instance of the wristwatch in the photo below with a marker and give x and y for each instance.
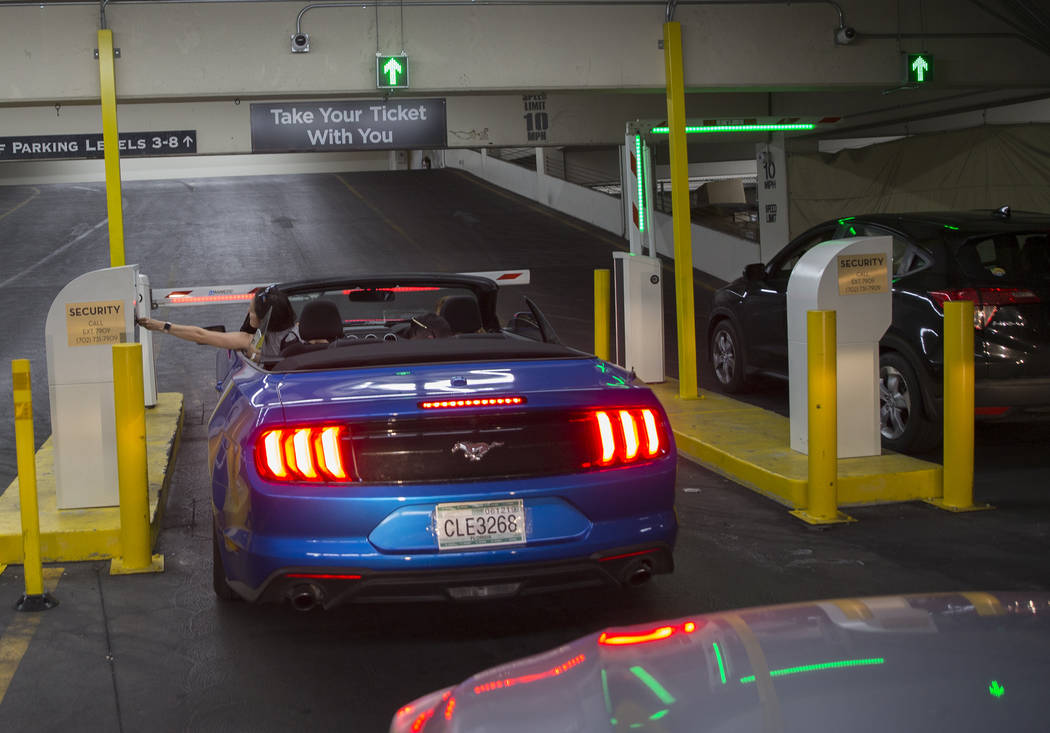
(167, 326)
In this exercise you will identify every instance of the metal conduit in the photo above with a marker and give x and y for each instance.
(669, 5)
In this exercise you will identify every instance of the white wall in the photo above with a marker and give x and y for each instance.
(715, 253)
(207, 50)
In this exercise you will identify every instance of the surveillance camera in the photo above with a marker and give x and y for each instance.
(844, 35)
(301, 43)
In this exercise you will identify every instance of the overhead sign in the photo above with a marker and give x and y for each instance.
(95, 324)
(861, 274)
(392, 71)
(370, 124)
(89, 145)
(920, 68)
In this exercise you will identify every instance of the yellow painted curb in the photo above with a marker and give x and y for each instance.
(752, 447)
(72, 535)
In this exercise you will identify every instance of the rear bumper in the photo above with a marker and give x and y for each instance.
(612, 569)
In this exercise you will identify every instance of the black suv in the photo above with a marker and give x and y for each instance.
(999, 260)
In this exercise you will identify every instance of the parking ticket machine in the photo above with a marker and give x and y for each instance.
(852, 278)
(89, 315)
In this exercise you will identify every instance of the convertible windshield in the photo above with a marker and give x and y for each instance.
(364, 306)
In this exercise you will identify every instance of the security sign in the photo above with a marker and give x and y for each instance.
(95, 324)
(860, 274)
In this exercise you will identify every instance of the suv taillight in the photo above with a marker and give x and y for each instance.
(986, 301)
(626, 436)
(315, 453)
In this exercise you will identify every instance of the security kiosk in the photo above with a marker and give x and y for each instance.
(639, 315)
(852, 278)
(88, 316)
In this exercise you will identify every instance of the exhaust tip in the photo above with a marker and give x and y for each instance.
(305, 597)
(638, 573)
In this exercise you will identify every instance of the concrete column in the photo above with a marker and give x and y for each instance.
(772, 196)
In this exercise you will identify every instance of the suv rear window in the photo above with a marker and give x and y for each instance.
(1006, 257)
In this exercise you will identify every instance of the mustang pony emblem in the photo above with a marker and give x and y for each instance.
(474, 452)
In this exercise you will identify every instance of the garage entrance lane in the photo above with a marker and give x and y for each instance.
(181, 661)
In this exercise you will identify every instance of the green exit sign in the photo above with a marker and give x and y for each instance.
(391, 71)
(919, 68)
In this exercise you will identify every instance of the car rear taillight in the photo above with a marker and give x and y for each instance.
(625, 436)
(631, 638)
(313, 453)
(986, 301)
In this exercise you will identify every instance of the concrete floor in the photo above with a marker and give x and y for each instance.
(158, 653)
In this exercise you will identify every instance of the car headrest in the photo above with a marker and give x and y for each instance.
(461, 312)
(320, 319)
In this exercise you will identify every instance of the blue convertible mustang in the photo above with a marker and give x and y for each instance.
(381, 464)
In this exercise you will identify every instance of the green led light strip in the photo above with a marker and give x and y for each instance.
(665, 697)
(605, 692)
(641, 188)
(721, 667)
(734, 128)
(817, 667)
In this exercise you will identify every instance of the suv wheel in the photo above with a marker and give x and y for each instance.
(902, 422)
(727, 357)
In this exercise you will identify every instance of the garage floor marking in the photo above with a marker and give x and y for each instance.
(54, 254)
(16, 207)
(379, 213)
(18, 634)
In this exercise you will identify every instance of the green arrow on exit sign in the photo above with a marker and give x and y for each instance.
(919, 68)
(391, 71)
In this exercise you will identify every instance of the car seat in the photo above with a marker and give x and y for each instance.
(461, 312)
(320, 320)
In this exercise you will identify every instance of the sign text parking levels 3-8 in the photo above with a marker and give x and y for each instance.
(349, 125)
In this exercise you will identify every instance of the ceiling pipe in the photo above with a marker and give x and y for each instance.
(669, 5)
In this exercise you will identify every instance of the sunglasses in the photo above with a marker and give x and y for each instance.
(263, 294)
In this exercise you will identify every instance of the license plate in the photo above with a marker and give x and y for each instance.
(480, 524)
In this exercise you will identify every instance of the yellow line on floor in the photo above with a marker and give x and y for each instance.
(16, 207)
(15, 641)
(378, 213)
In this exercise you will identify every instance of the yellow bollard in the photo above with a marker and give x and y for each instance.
(958, 409)
(822, 386)
(602, 280)
(688, 387)
(111, 147)
(130, 412)
(35, 597)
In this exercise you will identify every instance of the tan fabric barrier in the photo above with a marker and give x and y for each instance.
(980, 168)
